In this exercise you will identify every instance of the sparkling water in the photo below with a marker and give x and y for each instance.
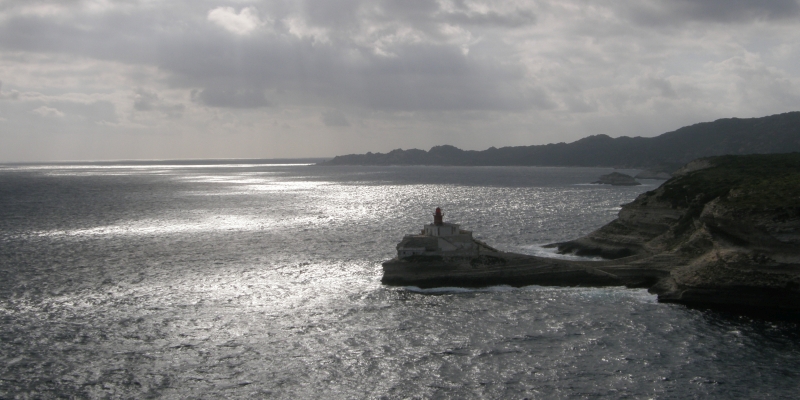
(263, 281)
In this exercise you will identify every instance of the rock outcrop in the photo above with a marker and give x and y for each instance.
(617, 179)
(731, 225)
(724, 232)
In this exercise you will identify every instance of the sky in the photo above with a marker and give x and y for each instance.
(184, 79)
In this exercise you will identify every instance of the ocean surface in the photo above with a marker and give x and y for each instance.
(263, 281)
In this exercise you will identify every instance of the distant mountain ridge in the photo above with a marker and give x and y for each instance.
(778, 133)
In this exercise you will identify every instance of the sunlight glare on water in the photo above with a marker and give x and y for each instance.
(255, 280)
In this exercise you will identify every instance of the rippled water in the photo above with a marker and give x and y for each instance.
(241, 281)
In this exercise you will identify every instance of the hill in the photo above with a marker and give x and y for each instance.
(772, 134)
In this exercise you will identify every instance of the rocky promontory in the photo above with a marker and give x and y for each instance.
(723, 232)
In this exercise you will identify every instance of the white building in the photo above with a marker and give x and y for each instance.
(440, 238)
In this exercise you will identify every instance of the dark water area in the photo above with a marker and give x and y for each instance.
(263, 281)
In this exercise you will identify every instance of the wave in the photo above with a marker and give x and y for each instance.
(539, 251)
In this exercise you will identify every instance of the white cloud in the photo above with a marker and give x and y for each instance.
(48, 112)
(458, 36)
(300, 29)
(243, 23)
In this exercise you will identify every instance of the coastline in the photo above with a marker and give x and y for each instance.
(724, 232)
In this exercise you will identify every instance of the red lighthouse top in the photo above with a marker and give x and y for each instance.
(437, 217)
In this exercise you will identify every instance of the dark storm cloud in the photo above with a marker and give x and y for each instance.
(409, 9)
(737, 10)
(725, 11)
(334, 13)
(439, 78)
(417, 77)
(229, 70)
(116, 36)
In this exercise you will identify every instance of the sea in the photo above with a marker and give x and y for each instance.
(228, 279)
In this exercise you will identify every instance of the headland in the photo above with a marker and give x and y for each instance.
(723, 232)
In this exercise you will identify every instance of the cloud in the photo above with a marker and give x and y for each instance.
(230, 97)
(751, 81)
(144, 100)
(12, 95)
(678, 12)
(660, 85)
(341, 58)
(70, 109)
(448, 70)
(148, 100)
(511, 19)
(737, 10)
(48, 112)
(300, 29)
(243, 23)
(334, 118)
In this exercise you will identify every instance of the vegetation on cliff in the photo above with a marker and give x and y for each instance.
(749, 183)
(746, 186)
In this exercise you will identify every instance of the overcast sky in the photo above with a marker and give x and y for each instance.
(163, 79)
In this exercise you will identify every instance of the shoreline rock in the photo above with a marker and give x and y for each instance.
(516, 270)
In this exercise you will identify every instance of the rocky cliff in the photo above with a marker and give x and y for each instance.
(729, 225)
(724, 232)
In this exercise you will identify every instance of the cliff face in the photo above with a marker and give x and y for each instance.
(729, 226)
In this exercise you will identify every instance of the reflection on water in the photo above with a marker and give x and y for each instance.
(243, 281)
